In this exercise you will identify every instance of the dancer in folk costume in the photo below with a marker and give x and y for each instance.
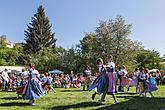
(47, 83)
(101, 82)
(124, 80)
(112, 78)
(152, 79)
(24, 79)
(148, 86)
(141, 79)
(145, 85)
(134, 81)
(33, 89)
(86, 77)
(135, 78)
(120, 73)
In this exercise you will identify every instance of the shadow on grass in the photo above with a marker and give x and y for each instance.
(11, 98)
(127, 97)
(8, 91)
(138, 103)
(127, 93)
(69, 90)
(134, 103)
(76, 106)
(14, 104)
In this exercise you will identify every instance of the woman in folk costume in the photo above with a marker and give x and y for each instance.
(112, 78)
(101, 82)
(33, 89)
(124, 79)
(135, 77)
(134, 81)
(148, 86)
(24, 79)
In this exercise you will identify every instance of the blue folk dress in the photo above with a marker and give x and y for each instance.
(34, 89)
(101, 82)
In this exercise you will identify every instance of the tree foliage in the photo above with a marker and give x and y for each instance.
(110, 38)
(11, 56)
(38, 33)
(149, 59)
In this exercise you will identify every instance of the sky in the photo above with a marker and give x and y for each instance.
(71, 19)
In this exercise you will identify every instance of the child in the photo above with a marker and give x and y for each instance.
(152, 79)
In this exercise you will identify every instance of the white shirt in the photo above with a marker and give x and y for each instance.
(36, 73)
(122, 72)
(25, 74)
(5, 76)
(111, 64)
(88, 72)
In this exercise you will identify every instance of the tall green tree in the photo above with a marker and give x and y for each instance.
(110, 38)
(149, 59)
(38, 33)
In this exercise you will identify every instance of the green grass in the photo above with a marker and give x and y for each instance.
(76, 99)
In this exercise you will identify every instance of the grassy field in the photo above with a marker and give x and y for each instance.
(76, 99)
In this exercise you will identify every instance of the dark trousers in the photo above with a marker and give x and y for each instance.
(85, 87)
(5, 85)
(120, 88)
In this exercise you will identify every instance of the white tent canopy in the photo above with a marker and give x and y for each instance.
(56, 72)
(12, 68)
(153, 70)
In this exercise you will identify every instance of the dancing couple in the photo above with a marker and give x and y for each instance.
(105, 83)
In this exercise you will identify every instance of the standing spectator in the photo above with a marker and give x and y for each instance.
(86, 75)
(71, 78)
(158, 77)
(6, 79)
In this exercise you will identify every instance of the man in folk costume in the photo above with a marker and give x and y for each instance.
(47, 83)
(141, 78)
(120, 73)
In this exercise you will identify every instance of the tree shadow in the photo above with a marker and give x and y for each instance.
(76, 106)
(71, 90)
(14, 104)
(127, 93)
(127, 97)
(11, 98)
(138, 103)
(134, 103)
